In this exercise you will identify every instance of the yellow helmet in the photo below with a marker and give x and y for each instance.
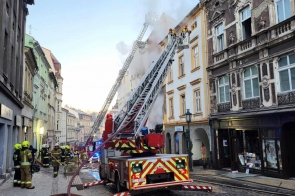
(67, 147)
(26, 144)
(17, 146)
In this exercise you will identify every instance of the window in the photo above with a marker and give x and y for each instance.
(181, 66)
(170, 76)
(5, 52)
(219, 37)
(198, 101)
(196, 56)
(56, 125)
(182, 106)
(246, 23)
(283, 8)
(287, 73)
(251, 86)
(223, 87)
(171, 112)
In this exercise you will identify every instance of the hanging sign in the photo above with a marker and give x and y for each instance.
(224, 142)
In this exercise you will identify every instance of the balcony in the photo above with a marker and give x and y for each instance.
(220, 57)
(223, 107)
(286, 98)
(246, 45)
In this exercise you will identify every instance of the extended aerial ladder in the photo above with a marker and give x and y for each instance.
(126, 126)
(150, 18)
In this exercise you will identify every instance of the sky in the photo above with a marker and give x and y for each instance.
(89, 39)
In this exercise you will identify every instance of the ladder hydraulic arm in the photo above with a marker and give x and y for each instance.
(131, 118)
(149, 19)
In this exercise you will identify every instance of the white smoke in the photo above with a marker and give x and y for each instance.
(156, 115)
(122, 48)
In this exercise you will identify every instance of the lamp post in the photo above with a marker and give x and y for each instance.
(188, 117)
(41, 133)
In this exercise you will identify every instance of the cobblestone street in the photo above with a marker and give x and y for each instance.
(46, 185)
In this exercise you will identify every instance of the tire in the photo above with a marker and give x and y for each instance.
(117, 183)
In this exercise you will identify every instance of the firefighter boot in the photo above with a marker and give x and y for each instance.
(31, 187)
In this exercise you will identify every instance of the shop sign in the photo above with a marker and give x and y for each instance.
(178, 128)
(18, 120)
(6, 112)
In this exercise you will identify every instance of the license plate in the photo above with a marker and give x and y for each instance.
(138, 180)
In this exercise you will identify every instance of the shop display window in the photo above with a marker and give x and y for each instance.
(271, 148)
(250, 156)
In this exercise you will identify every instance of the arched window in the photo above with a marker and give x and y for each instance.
(251, 85)
(223, 87)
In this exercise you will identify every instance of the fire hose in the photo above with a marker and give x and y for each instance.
(85, 161)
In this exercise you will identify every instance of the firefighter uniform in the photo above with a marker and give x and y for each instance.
(45, 155)
(76, 157)
(83, 156)
(68, 153)
(63, 155)
(56, 155)
(17, 161)
(26, 159)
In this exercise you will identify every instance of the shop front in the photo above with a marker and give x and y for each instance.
(263, 144)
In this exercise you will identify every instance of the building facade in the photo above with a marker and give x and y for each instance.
(41, 96)
(30, 70)
(62, 139)
(251, 74)
(186, 88)
(12, 30)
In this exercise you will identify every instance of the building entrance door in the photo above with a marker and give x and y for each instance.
(224, 148)
(289, 137)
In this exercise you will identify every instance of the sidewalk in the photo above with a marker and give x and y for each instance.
(45, 185)
(256, 181)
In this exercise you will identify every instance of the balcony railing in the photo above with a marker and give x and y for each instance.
(264, 36)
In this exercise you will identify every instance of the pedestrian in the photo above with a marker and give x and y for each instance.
(45, 156)
(17, 162)
(26, 161)
(33, 151)
(63, 155)
(56, 155)
(204, 157)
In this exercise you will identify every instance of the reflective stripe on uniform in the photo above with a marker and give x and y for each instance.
(45, 157)
(18, 182)
(25, 163)
(17, 166)
(22, 182)
(28, 182)
(15, 181)
(55, 172)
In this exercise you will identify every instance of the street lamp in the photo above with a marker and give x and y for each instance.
(188, 117)
(41, 133)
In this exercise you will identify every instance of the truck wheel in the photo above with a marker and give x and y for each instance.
(118, 186)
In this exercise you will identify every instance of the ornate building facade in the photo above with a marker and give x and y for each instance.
(251, 67)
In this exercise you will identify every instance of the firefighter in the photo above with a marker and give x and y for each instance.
(68, 154)
(76, 157)
(56, 155)
(63, 155)
(26, 160)
(45, 155)
(83, 155)
(17, 161)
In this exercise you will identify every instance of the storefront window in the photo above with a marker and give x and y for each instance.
(271, 148)
(250, 157)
